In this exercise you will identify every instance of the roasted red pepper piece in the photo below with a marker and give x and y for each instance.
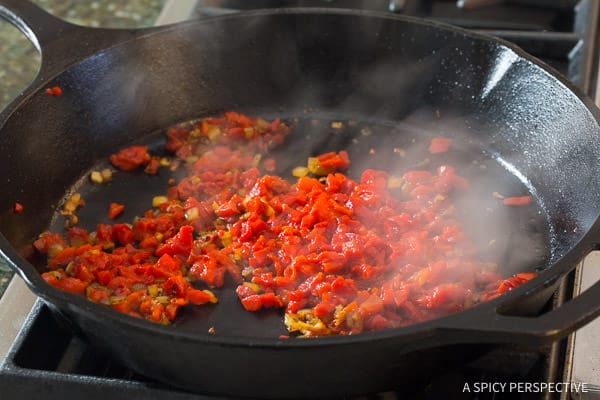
(114, 210)
(64, 282)
(180, 244)
(130, 157)
(334, 161)
(514, 281)
(122, 233)
(439, 145)
(17, 208)
(54, 91)
(517, 200)
(152, 166)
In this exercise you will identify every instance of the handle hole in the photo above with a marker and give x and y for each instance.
(551, 297)
(96, 14)
(19, 64)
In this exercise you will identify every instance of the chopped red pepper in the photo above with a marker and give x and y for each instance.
(77, 236)
(122, 233)
(198, 297)
(439, 145)
(514, 281)
(269, 165)
(152, 166)
(54, 91)
(337, 255)
(517, 200)
(130, 158)
(64, 282)
(18, 208)
(115, 209)
(334, 161)
(180, 244)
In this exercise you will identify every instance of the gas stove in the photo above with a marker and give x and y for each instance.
(42, 359)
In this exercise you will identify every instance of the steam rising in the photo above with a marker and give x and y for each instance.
(514, 238)
(393, 88)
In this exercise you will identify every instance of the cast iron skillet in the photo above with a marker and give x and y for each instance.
(324, 64)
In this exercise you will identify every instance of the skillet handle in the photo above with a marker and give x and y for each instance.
(60, 43)
(529, 331)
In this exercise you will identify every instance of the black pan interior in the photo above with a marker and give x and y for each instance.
(401, 79)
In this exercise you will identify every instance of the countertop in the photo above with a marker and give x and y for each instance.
(19, 60)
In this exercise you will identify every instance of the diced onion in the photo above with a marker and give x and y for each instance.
(213, 132)
(313, 165)
(192, 214)
(158, 200)
(248, 132)
(212, 297)
(106, 174)
(96, 177)
(153, 290)
(300, 172)
(252, 286)
(394, 182)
